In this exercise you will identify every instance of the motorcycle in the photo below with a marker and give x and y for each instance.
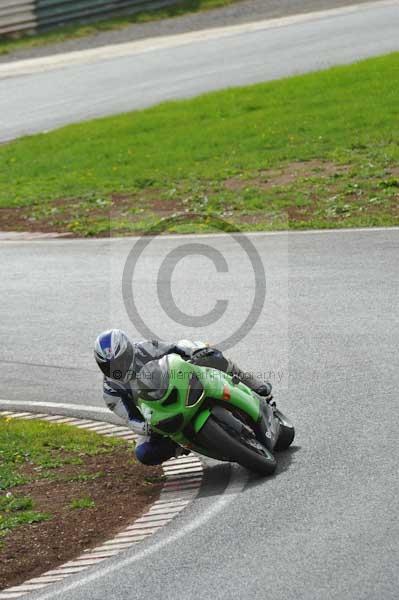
(214, 414)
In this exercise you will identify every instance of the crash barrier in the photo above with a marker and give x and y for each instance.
(31, 16)
(17, 16)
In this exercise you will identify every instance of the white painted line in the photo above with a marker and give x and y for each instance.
(193, 462)
(182, 465)
(117, 429)
(162, 512)
(44, 579)
(84, 562)
(20, 415)
(169, 505)
(47, 63)
(161, 503)
(195, 236)
(148, 519)
(56, 418)
(237, 483)
(66, 571)
(29, 417)
(182, 459)
(28, 587)
(197, 476)
(117, 545)
(184, 478)
(138, 536)
(183, 471)
(124, 541)
(172, 495)
(62, 420)
(125, 536)
(101, 553)
(144, 529)
(168, 511)
(68, 407)
(98, 427)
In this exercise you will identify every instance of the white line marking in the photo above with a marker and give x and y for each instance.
(29, 587)
(69, 407)
(196, 236)
(100, 553)
(142, 528)
(44, 579)
(47, 63)
(66, 571)
(237, 482)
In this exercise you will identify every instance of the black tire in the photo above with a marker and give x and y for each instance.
(220, 441)
(287, 432)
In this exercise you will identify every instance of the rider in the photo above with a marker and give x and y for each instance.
(121, 361)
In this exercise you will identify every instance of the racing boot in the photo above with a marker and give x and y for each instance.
(256, 385)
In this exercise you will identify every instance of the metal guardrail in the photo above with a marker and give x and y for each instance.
(18, 16)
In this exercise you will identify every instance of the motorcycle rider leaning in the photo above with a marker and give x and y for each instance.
(121, 361)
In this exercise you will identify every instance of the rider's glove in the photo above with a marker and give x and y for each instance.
(210, 357)
(140, 427)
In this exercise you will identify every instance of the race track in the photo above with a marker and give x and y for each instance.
(325, 527)
(151, 71)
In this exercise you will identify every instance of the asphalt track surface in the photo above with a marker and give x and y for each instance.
(325, 527)
(189, 64)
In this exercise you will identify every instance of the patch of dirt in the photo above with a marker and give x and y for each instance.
(124, 214)
(121, 494)
(287, 175)
(59, 215)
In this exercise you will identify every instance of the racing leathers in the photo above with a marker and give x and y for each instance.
(153, 448)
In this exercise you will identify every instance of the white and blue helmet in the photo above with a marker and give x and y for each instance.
(114, 354)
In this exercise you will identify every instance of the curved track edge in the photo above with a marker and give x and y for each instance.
(183, 478)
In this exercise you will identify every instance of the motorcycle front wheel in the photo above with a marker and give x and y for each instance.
(229, 445)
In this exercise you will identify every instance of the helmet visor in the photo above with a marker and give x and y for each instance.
(120, 367)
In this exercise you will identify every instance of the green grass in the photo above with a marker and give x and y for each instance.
(16, 511)
(81, 503)
(29, 448)
(75, 31)
(319, 150)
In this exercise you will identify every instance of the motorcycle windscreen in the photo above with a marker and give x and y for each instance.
(153, 379)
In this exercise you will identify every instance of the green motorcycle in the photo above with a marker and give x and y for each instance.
(212, 413)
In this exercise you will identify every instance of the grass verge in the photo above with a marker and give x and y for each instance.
(57, 484)
(75, 31)
(319, 150)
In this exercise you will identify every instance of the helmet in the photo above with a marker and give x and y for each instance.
(114, 355)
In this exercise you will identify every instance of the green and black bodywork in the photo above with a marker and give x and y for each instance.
(212, 413)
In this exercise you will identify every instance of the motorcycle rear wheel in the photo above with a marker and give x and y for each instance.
(228, 446)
